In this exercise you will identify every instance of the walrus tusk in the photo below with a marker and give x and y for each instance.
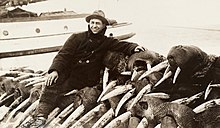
(134, 74)
(128, 95)
(16, 109)
(6, 97)
(148, 66)
(79, 110)
(12, 73)
(26, 113)
(71, 92)
(178, 70)
(117, 91)
(109, 86)
(9, 73)
(156, 68)
(18, 68)
(66, 110)
(104, 119)
(63, 114)
(43, 73)
(180, 101)
(159, 95)
(143, 123)
(128, 73)
(158, 125)
(28, 80)
(33, 74)
(3, 96)
(209, 89)
(166, 70)
(9, 97)
(166, 76)
(41, 84)
(119, 120)
(105, 77)
(22, 77)
(52, 116)
(15, 103)
(4, 113)
(145, 89)
(26, 76)
(206, 105)
(36, 81)
(188, 100)
(215, 85)
(88, 116)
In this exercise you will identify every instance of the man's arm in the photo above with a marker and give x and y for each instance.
(126, 47)
(62, 60)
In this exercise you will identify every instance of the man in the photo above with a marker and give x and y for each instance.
(78, 64)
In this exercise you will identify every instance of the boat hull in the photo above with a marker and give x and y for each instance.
(38, 35)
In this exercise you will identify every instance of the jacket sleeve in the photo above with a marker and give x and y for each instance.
(62, 60)
(122, 46)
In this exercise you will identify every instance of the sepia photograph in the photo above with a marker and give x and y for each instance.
(109, 64)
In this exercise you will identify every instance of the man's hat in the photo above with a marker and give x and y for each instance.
(98, 14)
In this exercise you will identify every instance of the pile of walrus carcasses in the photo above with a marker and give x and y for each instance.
(143, 90)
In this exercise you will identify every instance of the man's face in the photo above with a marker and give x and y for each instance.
(96, 25)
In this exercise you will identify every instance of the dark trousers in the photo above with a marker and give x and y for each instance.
(53, 96)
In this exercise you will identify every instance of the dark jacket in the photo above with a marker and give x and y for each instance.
(79, 62)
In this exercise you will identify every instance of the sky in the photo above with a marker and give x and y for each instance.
(144, 12)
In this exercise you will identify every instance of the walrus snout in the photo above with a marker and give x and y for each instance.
(172, 63)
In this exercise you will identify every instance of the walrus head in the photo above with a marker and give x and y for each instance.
(186, 57)
(8, 85)
(115, 61)
(148, 57)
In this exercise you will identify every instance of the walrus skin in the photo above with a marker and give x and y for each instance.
(198, 70)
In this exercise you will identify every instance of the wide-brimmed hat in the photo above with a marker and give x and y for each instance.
(98, 14)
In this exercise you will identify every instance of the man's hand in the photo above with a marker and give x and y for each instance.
(51, 78)
(139, 49)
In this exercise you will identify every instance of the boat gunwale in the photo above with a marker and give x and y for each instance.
(42, 18)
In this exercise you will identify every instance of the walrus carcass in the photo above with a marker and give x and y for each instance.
(198, 70)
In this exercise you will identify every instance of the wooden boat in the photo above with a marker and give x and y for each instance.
(27, 33)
